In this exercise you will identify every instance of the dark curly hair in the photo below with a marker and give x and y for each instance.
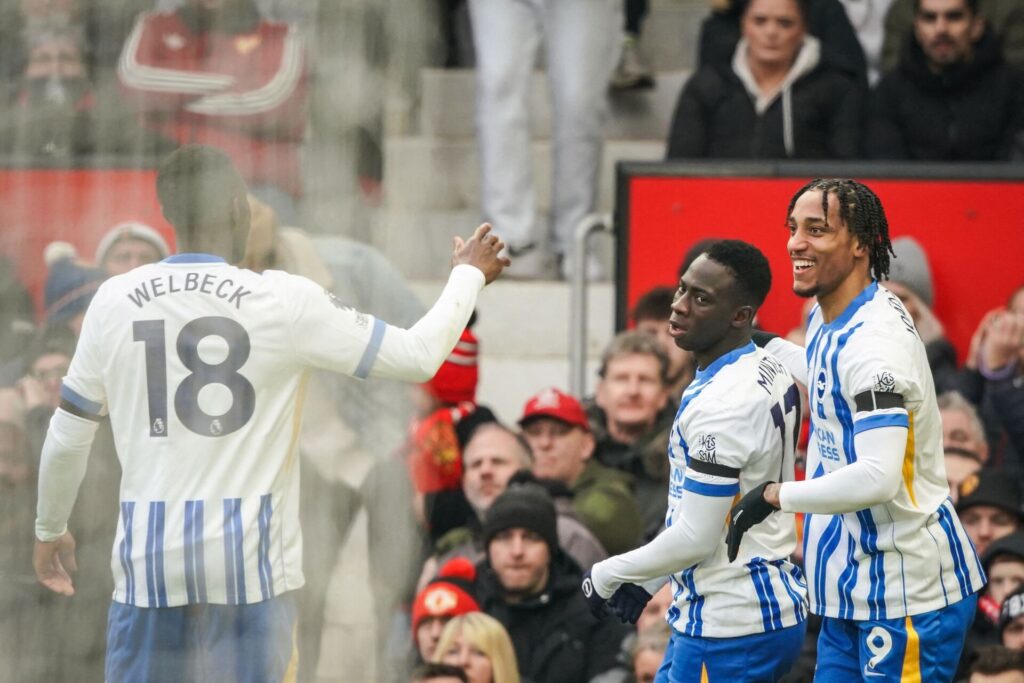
(863, 214)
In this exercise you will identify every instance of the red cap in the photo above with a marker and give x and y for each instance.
(556, 404)
(457, 377)
(449, 595)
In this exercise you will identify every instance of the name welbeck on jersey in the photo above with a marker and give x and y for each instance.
(205, 283)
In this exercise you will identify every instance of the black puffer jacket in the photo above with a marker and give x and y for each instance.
(554, 635)
(716, 118)
(969, 111)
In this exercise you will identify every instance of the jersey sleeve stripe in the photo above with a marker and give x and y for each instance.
(87, 408)
(714, 469)
(372, 349)
(886, 420)
(877, 400)
(716, 490)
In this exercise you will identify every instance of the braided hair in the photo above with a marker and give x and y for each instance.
(863, 214)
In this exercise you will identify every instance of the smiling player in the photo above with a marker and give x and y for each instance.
(888, 564)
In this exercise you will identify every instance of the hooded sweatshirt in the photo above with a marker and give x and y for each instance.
(815, 113)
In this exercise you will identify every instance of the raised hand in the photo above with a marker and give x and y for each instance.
(1003, 341)
(481, 250)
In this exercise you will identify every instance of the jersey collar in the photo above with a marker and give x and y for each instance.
(194, 258)
(722, 361)
(865, 296)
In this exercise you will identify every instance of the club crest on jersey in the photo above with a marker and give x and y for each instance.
(819, 390)
(216, 428)
(885, 382)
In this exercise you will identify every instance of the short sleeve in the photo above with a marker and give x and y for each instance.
(83, 386)
(326, 333)
(719, 441)
(878, 374)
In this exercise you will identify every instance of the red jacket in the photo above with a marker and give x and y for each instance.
(244, 93)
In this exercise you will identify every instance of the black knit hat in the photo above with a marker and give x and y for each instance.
(1011, 545)
(990, 487)
(522, 506)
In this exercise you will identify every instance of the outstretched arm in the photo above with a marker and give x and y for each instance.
(416, 354)
(692, 538)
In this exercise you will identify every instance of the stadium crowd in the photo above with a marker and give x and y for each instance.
(483, 582)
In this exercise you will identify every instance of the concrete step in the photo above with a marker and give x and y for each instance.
(442, 175)
(448, 106)
(523, 328)
(670, 34)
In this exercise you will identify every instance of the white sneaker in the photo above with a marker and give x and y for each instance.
(633, 71)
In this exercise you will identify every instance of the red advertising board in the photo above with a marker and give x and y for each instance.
(970, 223)
(38, 206)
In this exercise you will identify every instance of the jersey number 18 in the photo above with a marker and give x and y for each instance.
(186, 396)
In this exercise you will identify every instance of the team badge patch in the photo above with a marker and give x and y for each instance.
(440, 600)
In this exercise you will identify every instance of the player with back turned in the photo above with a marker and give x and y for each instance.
(889, 566)
(202, 368)
(736, 427)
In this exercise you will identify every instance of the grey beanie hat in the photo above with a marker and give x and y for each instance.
(910, 268)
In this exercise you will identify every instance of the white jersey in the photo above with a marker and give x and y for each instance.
(203, 368)
(736, 428)
(910, 555)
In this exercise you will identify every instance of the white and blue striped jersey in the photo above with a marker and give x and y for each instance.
(202, 367)
(736, 428)
(868, 369)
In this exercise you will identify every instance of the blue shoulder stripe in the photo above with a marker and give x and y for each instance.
(372, 349)
(876, 421)
(714, 490)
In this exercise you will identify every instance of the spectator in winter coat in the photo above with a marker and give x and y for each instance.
(529, 585)
(555, 425)
(951, 97)
(1004, 17)
(777, 99)
(827, 20)
(630, 418)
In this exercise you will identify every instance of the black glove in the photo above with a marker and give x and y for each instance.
(628, 602)
(752, 509)
(598, 606)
